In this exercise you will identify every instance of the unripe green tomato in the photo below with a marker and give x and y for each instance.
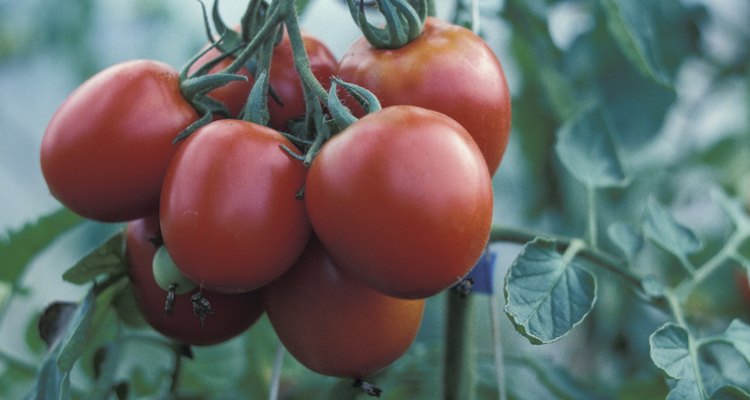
(167, 275)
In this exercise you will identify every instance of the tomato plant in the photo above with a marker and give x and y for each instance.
(447, 69)
(106, 149)
(229, 210)
(284, 81)
(232, 313)
(334, 324)
(402, 199)
(619, 219)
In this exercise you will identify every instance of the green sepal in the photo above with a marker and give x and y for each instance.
(256, 108)
(404, 22)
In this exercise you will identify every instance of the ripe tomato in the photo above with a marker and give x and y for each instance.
(334, 324)
(233, 313)
(447, 69)
(229, 212)
(106, 149)
(283, 79)
(402, 199)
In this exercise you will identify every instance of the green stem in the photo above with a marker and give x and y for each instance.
(593, 228)
(476, 17)
(458, 373)
(175, 378)
(431, 9)
(686, 287)
(594, 255)
(278, 363)
(497, 346)
(679, 314)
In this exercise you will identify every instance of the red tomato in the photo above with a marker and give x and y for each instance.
(229, 212)
(283, 79)
(402, 199)
(233, 313)
(106, 149)
(334, 324)
(447, 69)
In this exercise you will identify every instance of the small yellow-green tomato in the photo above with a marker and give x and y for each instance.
(166, 274)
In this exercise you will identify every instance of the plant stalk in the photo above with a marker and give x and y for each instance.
(459, 375)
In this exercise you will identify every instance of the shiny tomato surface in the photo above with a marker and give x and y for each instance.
(447, 69)
(106, 149)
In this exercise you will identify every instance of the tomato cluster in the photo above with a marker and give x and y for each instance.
(340, 253)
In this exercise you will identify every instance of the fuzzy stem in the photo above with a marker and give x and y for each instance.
(278, 363)
(459, 372)
(592, 222)
(497, 346)
(594, 255)
(679, 314)
(727, 252)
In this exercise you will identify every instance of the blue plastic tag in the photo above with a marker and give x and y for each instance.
(483, 273)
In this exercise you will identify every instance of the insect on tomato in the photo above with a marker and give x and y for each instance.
(402, 199)
(106, 149)
(230, 215)
(447, 69)
(232, 313)
(334, 324)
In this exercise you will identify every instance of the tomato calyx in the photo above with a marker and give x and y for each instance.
(201, 306)
(464, 288)
(367, 388)
(403, 22)
(343, 116)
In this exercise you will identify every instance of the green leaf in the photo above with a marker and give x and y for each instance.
(626, 237)
(51, 382)
(670, 351)
(585, 147)
(547, 294)
(18, 248)
(106, 259)
(633, 27)
(738, 334)
(78, 333)
(686, 389)
(661, 228)
(733, 208)
(730, 392)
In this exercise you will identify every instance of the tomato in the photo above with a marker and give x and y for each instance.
(106, 149)
(229, 212)
(232, 313)
(283, 79)
(402, 199)
(334, 324)
(447, 69)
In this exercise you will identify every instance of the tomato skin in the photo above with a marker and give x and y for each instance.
(233, 313)
(229, 212)
(283, 79)
(447, 69)
(105, 150)
(402, 199)
(334, 324)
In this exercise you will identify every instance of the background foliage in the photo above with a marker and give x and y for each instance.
(643, 103)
